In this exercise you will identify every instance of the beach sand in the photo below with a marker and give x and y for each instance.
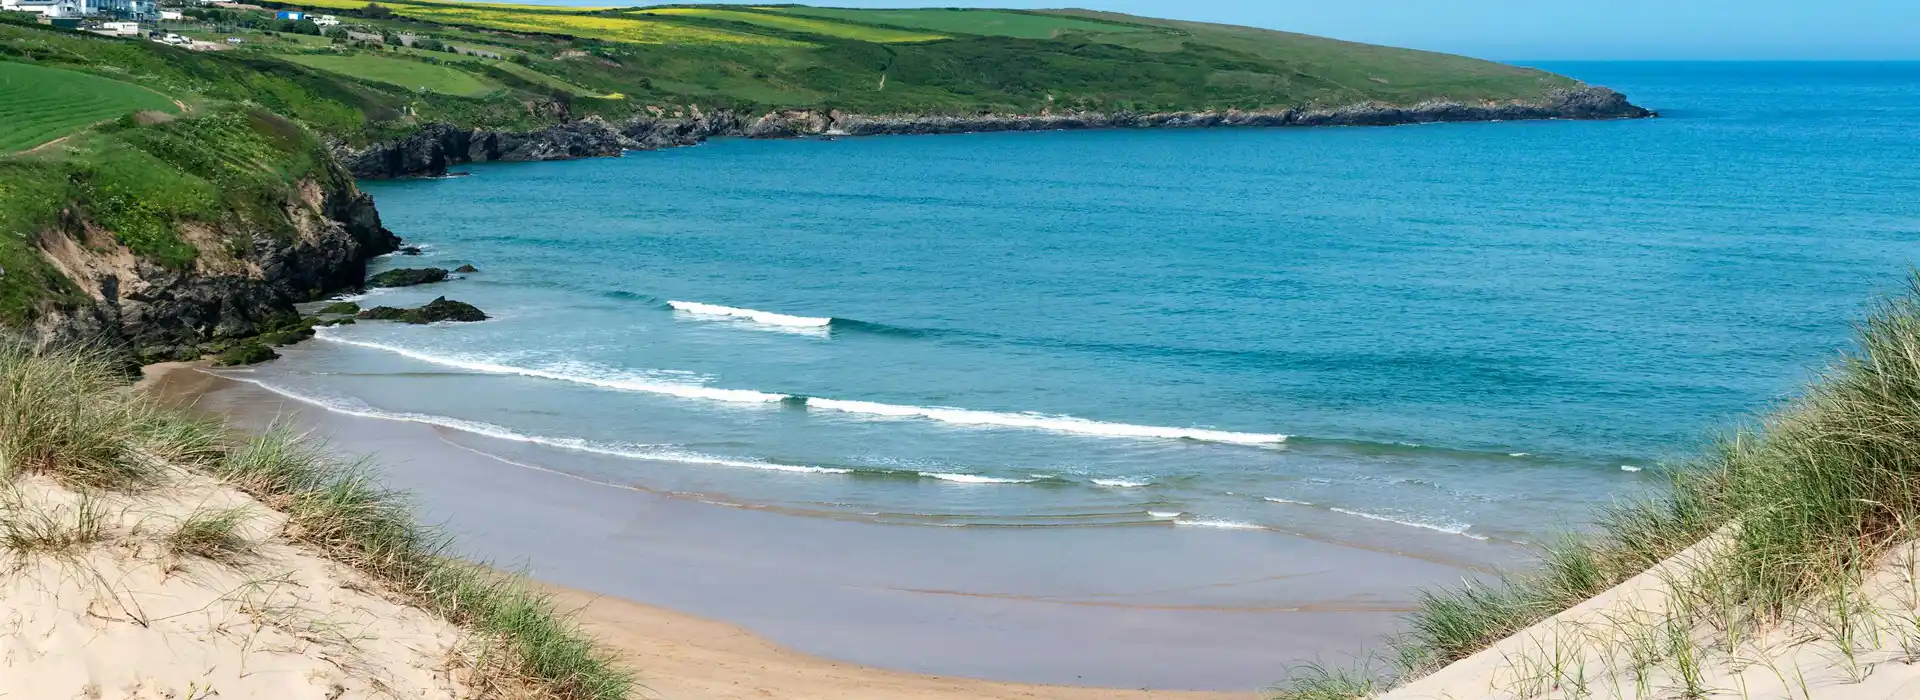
(682, 656)
(715, 601)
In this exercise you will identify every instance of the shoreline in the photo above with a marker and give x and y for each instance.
(431, 149)
(1029, 614)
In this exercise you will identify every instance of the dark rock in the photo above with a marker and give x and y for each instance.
(335, 322)
(287, 336)
(245, 354)
(466, 269)
(409, 250)
(150, 308)
(381, 313)
(431, 149)
(407, 277)
(443, 309)
(340, 307)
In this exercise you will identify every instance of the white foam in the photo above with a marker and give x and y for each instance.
(568, 443)
(973, 478)
(767, 317)
(1271, 499)
(1460, 530)
(1163, 514)
(1036, 421)
(609, 380)
(1220, 524)
(1518, 454)
(1121, 483)
(1629, 468)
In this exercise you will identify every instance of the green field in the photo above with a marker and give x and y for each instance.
(806, 25)
(39, 104)
(1019, 25)
(413, 75)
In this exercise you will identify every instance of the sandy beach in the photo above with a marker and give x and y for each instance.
(713, 601)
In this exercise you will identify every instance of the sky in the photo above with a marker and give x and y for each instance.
(1543, 29)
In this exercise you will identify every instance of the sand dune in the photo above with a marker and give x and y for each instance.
(94, 603)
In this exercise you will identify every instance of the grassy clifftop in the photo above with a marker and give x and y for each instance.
(486, 65)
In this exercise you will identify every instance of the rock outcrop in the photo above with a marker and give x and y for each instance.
(434, 147)
(440, 309)
(407, 277)
(244, 283)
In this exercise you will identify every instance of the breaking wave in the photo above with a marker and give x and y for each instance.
(952, 416)
(767, 317)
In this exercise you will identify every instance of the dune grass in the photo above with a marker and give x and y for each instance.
(1808, 498)
(211, 534)
(69, 415)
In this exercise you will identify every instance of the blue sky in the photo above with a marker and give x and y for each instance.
(1545, 29)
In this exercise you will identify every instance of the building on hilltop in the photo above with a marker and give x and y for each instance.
(136, 10)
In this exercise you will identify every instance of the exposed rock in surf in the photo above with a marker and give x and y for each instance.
(440, 309)
(409, 250)
(466, 269)
(245, 354)
(381, 313)
(444, 309)
(340, 307)
(407, 277)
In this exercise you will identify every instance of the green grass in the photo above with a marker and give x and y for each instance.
(1019, 25)
(1809, 497)
(40, 104)
(804, 25)
(412, 75)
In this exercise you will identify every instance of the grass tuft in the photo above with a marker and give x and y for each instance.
(58, 417)
(62, 530)
(212, 534)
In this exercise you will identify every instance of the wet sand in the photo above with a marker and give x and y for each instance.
(1133, 607)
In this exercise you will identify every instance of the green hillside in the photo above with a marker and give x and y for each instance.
(405, 61)
(41, 104)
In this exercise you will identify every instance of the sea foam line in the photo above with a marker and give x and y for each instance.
(954, 416)
(688, 391)
(1121, 483)
(1460, 530)
(1037, 421)
(767, 317)
(503, 433)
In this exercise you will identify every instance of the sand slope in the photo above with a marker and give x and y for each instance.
(121, 617)
(1641, 640)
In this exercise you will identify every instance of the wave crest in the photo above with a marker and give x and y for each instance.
(757, 316)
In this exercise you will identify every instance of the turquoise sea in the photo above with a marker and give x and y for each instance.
(1444, 339)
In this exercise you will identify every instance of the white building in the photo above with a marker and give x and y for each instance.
(116, 9)
(172, 15)
(326, 20)
(48, 8)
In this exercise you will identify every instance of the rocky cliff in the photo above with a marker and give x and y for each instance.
(245, 280)
(435, 147)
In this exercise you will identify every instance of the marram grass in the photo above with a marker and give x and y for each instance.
(1809, 496)
(69, 414)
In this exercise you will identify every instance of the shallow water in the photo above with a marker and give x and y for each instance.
(1453, 331)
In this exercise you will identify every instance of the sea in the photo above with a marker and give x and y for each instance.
(1455, 338)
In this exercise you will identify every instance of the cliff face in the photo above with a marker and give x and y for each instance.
(243, 283)
(435, 147)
